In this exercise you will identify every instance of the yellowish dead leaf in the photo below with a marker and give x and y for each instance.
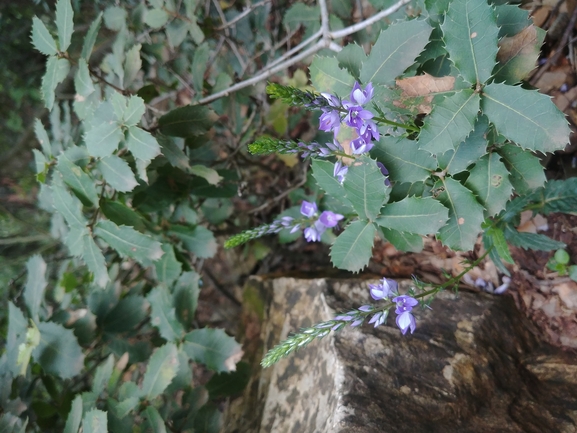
(419, 91)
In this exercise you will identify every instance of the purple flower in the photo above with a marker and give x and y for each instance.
(383, 290)
(309, 209)
(360, 96)
(330, 120)
(340, 171)
(385, 173)
(404, 303)
(366, 308)
(369, 131)
(330, 219)
(379, 318)
(359, 145)
(356, 116)
(357, 322)
(406, 321)
(314, 232)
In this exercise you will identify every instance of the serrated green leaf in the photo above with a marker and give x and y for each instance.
(558, 196)
(422, 216)
(141, 144)
(500, 244)
(301, 14)
(352, 250)
(42, 39)
(404, 160)
(471, 33)
(74, 416)
(58, 352)
(207, 173)
(56, 71)
(437, 8)
(465, 215)
(402, 241)
(74, 240)
(41, 165)
(80, 182)
(198, 240)
(526, 170)
(95, 261)
(511, 19)
(326, 76)
(95, 421)
(323, 173)
(199, 65)
(395, 50)
(525, 117)
(494, 255)
(351, 57)
(102, 375)
(518, 55)
(167, 267)
(42, 138)
(173, 153)
(156, 18)
(163, 315)
(90, 38)
(64, 23)
(489, 180)
(213, 348)
(128, 242)
(67, 205)
(15, 340)
(134, 111)
(35, 285)
(187, 121)
(102, 140)
(195, 32)
(115, 18)
(450, 122)
(82, 82)
(185, 297)
(176, 32)
(126, 314)
(154, 420)
(162, 368)
(532, 241)
(126, 406)
(468, 151)
(132, 65)
(117, 173)
(119, 104)
(365, 187)
(121, 214)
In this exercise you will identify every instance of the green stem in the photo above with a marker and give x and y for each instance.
(400, 125)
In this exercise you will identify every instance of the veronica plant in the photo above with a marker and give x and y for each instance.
(433, 135)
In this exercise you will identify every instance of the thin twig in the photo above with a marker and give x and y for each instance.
(244, 13)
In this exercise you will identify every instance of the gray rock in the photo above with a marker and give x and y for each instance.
(473, 365)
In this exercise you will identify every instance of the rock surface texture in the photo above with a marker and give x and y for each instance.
(473, 365)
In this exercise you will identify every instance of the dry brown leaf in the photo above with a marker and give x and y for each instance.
(521, 43)
(423, 86)
(540, 16)
(530, 223)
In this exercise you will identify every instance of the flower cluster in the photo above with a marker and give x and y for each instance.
(326, 220)
(404, 303)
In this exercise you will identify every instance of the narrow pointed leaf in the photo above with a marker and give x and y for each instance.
(154, 420)
(102, 375)
(470, 32)
(403, 241)
(532, 241)
(450, 122)
(128, 242)
(414, 215)
(525, 117)
(352, 250)
(326, 76)
(68, 205)
(121, 214)
(489, 180)
(90, 38)
(42, 39)
(79, 181)
(117, 173)
(141, 144)
(35, 285)
(163, 315)
(56, 71)
(74, 416)
(404, 160)
(42, 138)
(395, 50)
(102, 140)
(64, 23)
(187, 121)
(213, 348)
(162, 368)
(167, 267)
(500, 244)
(16, 340)
(132, 65)
(468, 151)
(365, 187)
(82, 81)
(95, 261)
(526, 170)
(95, 421)
(323, 174)
(58, 352)
(465, 215)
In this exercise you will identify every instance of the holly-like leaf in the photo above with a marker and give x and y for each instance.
(213, 348)
(198, 240)
(42, 138)
(200, 61)
(90, 38)
(525, 117)
(351, 57)
(450, 122)
(141, 144)
(56, 71)
(207, 173)
(414, 215)
(558, 196)
(102, 140)
(395, 50)
(465, 215)
(162, 368)
(132, 65)
(126, 314)
(102, 375)
(187, 121)
(402, 241)
(163, 315)
(468, 151)
(74, 416)
(82, 81)
(518, 55)
(15, 340)
(365, 187)
(154, 420)
(489, 180)
(134, 111)
(326, 76)
(35, 285)
(95, 421)
(526, 170)
(42, 39)
(323, 174)
(64, 23)
(128, 242)
(95, 261)
(67, 205)
(404, 160)
(470, 32)
(185, 297)
(74, 240)
(352, 250)
(167, 267)
(121, 214)
(418, 92)
(117, 173)
(156, 18)
(511, 19)
(80, 182)
(58, 352)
